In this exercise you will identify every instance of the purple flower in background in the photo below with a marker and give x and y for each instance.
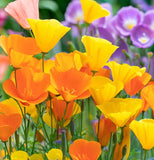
(103, 21)
(127, 19)
(142, 36)
(74, 13)
(3, 17)
(149, 19)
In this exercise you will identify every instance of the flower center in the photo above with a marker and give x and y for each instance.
(129, 24)
(144, 39)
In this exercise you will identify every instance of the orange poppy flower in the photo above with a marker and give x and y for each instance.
(20, 10)
(137, 83)
(71, 84)
(147, 94)
(4, 62)
(10, 118)
(106, 127)
(58, 108)
(30, 87)
(19, 49)
(85, 150)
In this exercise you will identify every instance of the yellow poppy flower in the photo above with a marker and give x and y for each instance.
(36, 157)
(98, 52)
(103, 89)
(124, 72)
(18, 155)
(47, 32)
(120, 111)
(92, 10)
(54, 154)
(143, 130)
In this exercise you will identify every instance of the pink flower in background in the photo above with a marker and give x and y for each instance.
(20, 10)
(3, 17)
(4, 62)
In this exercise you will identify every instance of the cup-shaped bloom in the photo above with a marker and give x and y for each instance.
(85, 150)
(127, 19)
(149, 19)
(10, 118)
(20, 10)
(71, 84)
(106, 127)
(19, 49)
(124, 72)
(58, 109)
(30, 87)
(137, 83)
(64, 61)
(92, 10)
(19, 155)
(54, 154)
(47, 32)
(142, 36)
(120, 111)
(103, 89)
(147, 93)
(98, 52)
(4, 63)
(143, 130)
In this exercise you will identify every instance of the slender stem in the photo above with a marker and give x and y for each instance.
(98, 116)
(51, 119)
(82, 109)
(142, 114)
(31, 33)
(149, 65)
(87, 25)
(64, 142)
(17, 139)
(40, 113)
(114, 145)
(62, 121)
(34, 137)
(145, 154)
(6, 149)
(25, 131)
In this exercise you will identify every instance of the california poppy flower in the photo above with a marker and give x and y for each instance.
(19, 49)
(106, 127)
(30, 87)
(124, 72)
(98, 52)
(85, 150)
(20, 10)
(137, 83)
(103, 89)
(120, 111)
(71, 84)
(92, 10)
(55, 154)
(58, 109)
(143, 130)
(10, 118)
(19, 155)
(47, 32)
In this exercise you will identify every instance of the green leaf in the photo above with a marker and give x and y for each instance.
(48, 4)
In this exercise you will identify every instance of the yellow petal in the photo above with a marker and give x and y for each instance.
(144, 130)
(92, 10)
(54, 154)
(47, 32)
(124, 72)
(98, 51)
(36, 157)
(103, 89)
(18, 155)
(120, 110)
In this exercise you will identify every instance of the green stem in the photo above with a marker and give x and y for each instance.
(34, 137)
(114, 145)
(82, 109)
(62, 121)
(64, 142)
(6, 149)
(17, 139)
(145, 154)
(98, 117)
(149, 65)
(142, 114)
(51, 120)
(25, 131)
(40, 114)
